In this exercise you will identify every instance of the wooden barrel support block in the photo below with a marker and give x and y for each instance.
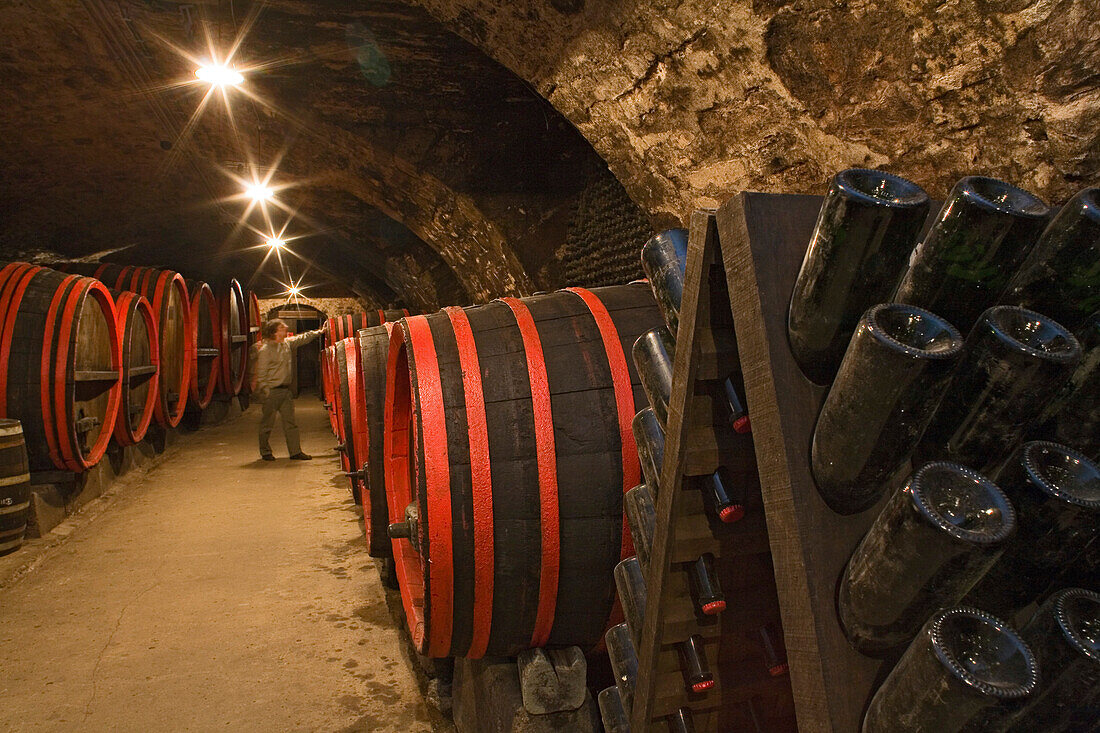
(508, 432)
(137, 327)
(60, 369)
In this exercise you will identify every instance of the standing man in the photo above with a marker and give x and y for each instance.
(271, 380)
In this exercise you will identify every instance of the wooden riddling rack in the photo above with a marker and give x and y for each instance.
(694, 448)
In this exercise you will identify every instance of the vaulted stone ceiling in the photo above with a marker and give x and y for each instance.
(437, 148)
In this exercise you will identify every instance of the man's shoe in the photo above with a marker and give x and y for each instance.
(301, 457)
(267, 456)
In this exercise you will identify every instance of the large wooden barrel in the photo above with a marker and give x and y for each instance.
(328, 360)
(508, 439)
(15, 486)
(339, 328)
(137, 327)
(167, 293)
(255, 318)
(206, 352)
(233, 338)
(348, 400)
(59, 364)
(374, 347)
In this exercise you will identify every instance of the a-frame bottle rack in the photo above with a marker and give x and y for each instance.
(752, 690)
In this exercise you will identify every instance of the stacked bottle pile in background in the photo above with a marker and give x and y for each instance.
(974, 352)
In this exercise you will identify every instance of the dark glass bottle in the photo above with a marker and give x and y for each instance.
(664, 259)
(1016, 361)
(932, 541)
(693, 665)
(681, 721)
(704, 587)
(1077, 414)
(630, 583)
(614, 716)
(728, 497)
(738, 415)
(868, 224)
(963, 663)
(894, 373)
(641, 517)
(1064, 634)
(1056, 492)
(980, 237)
(653, 354)
(624, 662)
(649, 437)
(1061, 275)
(775, 650)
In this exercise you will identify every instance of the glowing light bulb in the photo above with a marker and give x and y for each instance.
(259, 192)
(294, 290)
(219, 76)
(276, 242)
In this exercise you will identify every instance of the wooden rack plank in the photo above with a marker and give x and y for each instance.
(95, 375)
(764, 237)
(142, 370)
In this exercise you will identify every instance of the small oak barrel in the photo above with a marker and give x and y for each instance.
(206, 352)
(374, 348)
(233, 338)
(508, 449)
(15, 486)
(59, 364)
(137, 327)
(328, 359)
(167, 294)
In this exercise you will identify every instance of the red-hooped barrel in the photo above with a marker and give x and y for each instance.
(508, 445)
(59, 364)
(137, 327)
(349, 399)
(348, 325)
(233, 338)
(167, 294)
(328, 357)
(206, 350)
(374, 348)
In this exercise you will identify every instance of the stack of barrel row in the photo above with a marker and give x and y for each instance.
(498, 447)
(91, 351)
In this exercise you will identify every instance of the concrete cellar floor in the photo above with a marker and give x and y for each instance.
(213, 591)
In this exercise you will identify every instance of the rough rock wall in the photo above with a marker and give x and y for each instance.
(330, 307)
(690, 101)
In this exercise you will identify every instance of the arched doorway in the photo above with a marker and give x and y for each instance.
(300, 318)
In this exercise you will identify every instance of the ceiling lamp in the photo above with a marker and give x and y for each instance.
(219, 76)
(259, 192)
(293, 290)
(275, 242)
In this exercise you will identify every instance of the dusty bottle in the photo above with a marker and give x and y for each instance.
(664, 260)
(726, 495)
(737, 414)
(775, 650)
(694, 666)
(894, 373)
(624, 662)
(613, 715)
(1077, 414)
(703, 584)
(963, 663)
(1016, 361)
(1056, 492)
(979, 239)
(653, 354)
(1064, 635)
(649, 436)
(868, 224)
(681, 721)
(1061, 275)
(932, 541)
(630, 583)
(641, 517)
